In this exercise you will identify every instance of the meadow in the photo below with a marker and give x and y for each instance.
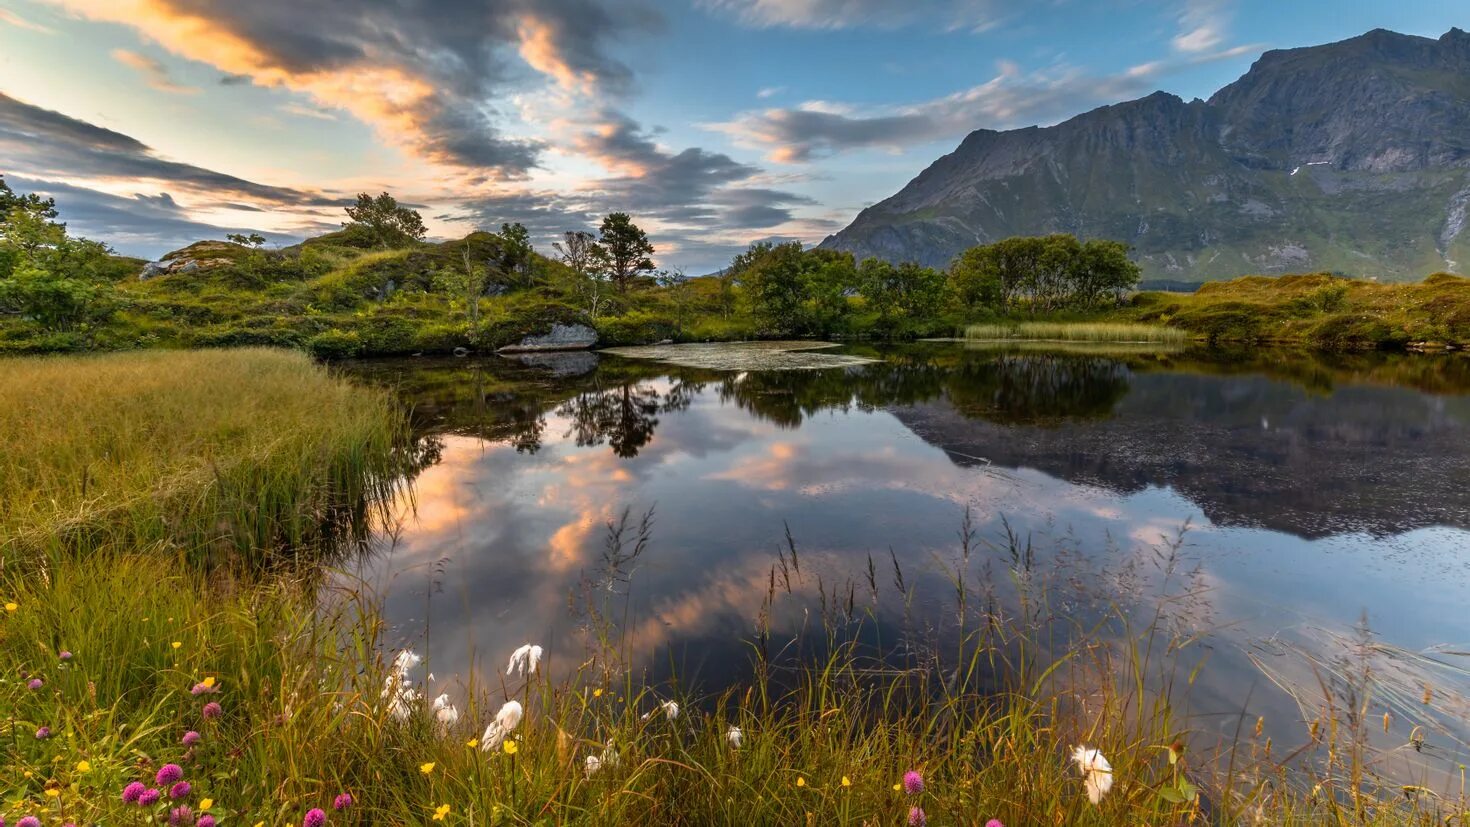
(151, 677)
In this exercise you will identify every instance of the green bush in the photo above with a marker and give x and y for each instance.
(335, 344)
(636, 328)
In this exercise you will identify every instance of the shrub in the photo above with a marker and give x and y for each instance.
(335, 344)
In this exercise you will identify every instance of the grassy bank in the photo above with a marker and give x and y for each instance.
(1318, 310)
(213, 452)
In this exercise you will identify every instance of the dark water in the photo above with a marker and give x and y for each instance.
(1315, 490)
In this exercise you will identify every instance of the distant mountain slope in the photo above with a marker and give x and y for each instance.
(1352, 157)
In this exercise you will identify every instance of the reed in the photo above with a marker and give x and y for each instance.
(239, 452)
(1078, 332)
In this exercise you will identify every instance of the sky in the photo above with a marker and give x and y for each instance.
(714, 123)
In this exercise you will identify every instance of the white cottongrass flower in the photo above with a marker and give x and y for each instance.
(670, 708)
(1097, 772)
(445, 712)
(506, 720)
(524, 660)
(592, 765)
(734, 736)
(401, 697)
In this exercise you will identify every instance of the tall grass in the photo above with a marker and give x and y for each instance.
(243, 452)
(1079, 332)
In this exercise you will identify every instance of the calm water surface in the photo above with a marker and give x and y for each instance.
(1315, 491)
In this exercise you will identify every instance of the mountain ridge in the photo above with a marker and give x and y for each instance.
(1352, 157)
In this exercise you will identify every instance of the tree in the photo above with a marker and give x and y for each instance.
(516, 253)
(772, 278)
(626, 249)
(581, 253)
(975, 277)
(31, 202)
(58, 281)
(1103, 269)
(253, 240)
(1043, 272)
(382, 223)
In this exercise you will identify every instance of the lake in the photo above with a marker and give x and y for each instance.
(1261, 506)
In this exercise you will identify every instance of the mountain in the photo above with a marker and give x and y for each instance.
(1351, 157)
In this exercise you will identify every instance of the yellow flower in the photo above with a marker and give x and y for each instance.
(472, 743)
(800, 781)
(176, 644)
(597, 693)
(83, 766)
(53, 792)
(426, 768)
(10, 607)
(206, 804)
(510, 747)
(897, 787)
(846, 782)
(208, 683)
(440, 812)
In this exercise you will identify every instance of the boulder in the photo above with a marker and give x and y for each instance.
(561, 337)
(559, 364)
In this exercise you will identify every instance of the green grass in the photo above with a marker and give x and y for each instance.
(1078, 332)
(237, 452)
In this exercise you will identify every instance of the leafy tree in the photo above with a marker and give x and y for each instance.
(975, 277)
(382, 223)
(906, 291)
(581, 253)
(58, 281)
(1042, 272)
(626, 249)
(251, 240)
(1103, 269)
(517, 256)
(772, 276)
(31, 202)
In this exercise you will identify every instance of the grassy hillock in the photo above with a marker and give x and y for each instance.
(1320, 310)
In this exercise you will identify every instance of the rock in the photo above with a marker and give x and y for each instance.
(190, 266)
(561, 337)
(461, 351)
(153, 269)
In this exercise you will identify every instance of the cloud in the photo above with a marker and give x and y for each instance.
(976, 15)
(1202, 26)
(142, 225)
(424, 75)
(153, 71)
(10, 18)
(770, 92)
(40, 142)
(1010, 99)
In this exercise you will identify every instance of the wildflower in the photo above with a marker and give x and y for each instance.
(472, 743)
(176, 644)
(800, 781)
(10, 607)
(36, 683)
(190, 738)
(406, 661)
(511, 747)
(314, 818)
(205, 821)
(28, 821)
(917, 817)
(592, 765)
(426, 768)
(524, 660)
(1097, 771)
(913, 782)
(65, 655)
(42, 733)
(149, 797)
(204, 687)
(597, 693)
(401, 697)
(84, 766)
(445, 712)
(846, 782)
(994, 822)
(132, 792)
(212, 710)
(506, 720)
(342, 802)
(670, 708)
(897, 787)
(180, 816)
(52, 792)
(440, 812)
(205, 804)
(734, 736)
(179, 790)
(168, 774)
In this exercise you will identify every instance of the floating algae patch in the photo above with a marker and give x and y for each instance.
(744, 355)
